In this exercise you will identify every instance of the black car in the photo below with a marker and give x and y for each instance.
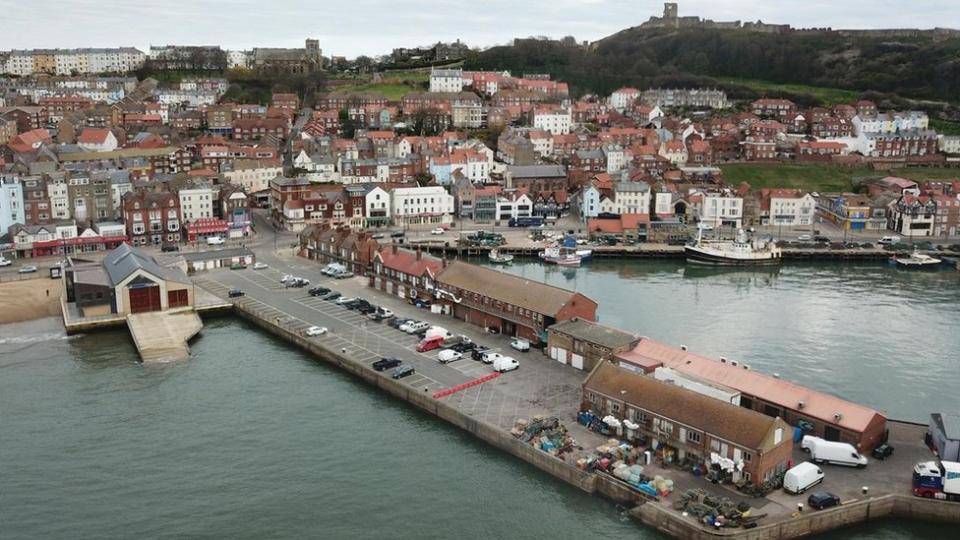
(332, 296)
(234, 293)
(883, 451)
(477, 353)
(823, 499)
(350, 304)
(397, 322)
(464, 347)
(318, 291)
(169, 247)
(386, 363)
(403, 371)
(398, 234)
(820, 238)
(367, 309)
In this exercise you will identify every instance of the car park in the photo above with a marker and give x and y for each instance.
(823, 499)
(29, 269)
(403, 371)
(882, 452)
(386, 363)
(234, 293)
(332, 296)
(316, 331)
(261, 266)
(520, 344)
(448, 355)
(505, 364)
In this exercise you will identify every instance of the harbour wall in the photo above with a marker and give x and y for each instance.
(840, 255)
(657, 516)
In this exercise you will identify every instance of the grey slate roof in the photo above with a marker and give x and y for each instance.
(125, 260)
(536, 171)
(604, 336)
(949, 424)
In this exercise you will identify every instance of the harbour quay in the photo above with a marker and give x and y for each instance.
(550, 384)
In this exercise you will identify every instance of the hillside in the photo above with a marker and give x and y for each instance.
(919, 67)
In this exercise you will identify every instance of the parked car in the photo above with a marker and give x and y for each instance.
(286, 278)
(505, 364)
(437, 232)
(398, 234)
(216, 241)
(386, 313)
(386, 363)
(343, 275)
(403, 371)
(412, 326)
(297, 282)
(883, 451)
(5, 262)
(234, 293)
(832, 452)
(464, 347)
(429, 344)
(332, 296)
(378, 236)
(804, 238)
(260, 266)
(375, 316)
(168, 247)
(448, 355)
(478, 352)
(820, 238)
(823, 499)
(346, 302)
(316, 331)
(318, 291)
(398, 322)
(889, 240)
(28, 269)
(423, 304)
(520, 344)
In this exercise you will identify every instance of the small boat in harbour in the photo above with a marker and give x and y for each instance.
(741, 251)
(561, 256)
(916, 261)
(499, 258)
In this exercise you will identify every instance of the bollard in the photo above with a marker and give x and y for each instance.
(864, 490)
(799, 507)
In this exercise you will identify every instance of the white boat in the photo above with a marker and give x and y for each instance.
(741, 251)
(561, 256)
(500, 258)
(917, 260)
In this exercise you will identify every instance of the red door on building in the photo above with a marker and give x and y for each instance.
(177, 299)
(144, 298)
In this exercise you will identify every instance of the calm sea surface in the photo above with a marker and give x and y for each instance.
(253, 439)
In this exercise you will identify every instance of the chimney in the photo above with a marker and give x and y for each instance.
(394, 247)
(419, 253)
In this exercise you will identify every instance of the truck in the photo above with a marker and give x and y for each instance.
(937, 480)
(835, 453)
(531, 221)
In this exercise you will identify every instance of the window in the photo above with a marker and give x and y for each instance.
(715, 445)
(747, 456)
(693, 436)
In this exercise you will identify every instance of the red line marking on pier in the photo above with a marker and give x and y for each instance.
(469, 384)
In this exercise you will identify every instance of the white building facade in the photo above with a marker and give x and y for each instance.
(422, 205)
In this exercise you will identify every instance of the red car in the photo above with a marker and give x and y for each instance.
(430, 344)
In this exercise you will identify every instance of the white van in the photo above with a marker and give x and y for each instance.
(448, 355)
(215, 241)
(801, 478)
(886, 240)
(505, 364)
(835, 453)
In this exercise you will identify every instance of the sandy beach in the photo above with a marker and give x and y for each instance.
(29, 299)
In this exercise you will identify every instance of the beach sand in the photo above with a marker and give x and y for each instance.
(27, 299)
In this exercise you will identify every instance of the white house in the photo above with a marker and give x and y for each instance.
(589, 202)
(11, 202)
(120, 184)
(950, 144)
(377, 206)
(512, 205)
(542, 142)
(631, 198)
(197, 202)
(615, 156)
(253, 175)
(623, 98)
(556, 121)
(892, 122)
(422, 205)
(59, 195)
(97, 140)
(786, 207)
(446, 80)
(675, 151)
(721, 209)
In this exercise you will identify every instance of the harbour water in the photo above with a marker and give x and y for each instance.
(254, 439)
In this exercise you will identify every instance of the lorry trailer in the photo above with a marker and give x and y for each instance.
(937, 480)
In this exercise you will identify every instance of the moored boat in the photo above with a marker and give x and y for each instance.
(561, 256)
(499, 258)
(741, 251)
(916, 261)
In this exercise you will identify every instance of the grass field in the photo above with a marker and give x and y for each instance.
(945, 127)
(393, 85)
(819, 177)
(827, 96)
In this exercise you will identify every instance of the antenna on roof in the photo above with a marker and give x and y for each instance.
(683, 347)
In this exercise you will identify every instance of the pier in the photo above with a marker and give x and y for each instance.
(488, 408)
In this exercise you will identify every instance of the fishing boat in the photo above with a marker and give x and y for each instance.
(570, 242)
(916, 261)
(741, 251)
(561, 256)
(499, 258)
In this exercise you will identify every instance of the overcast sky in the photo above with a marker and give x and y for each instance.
(353, 27)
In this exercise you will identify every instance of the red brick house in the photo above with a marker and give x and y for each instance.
(152, 217)
(249, 129)
(776, 108)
